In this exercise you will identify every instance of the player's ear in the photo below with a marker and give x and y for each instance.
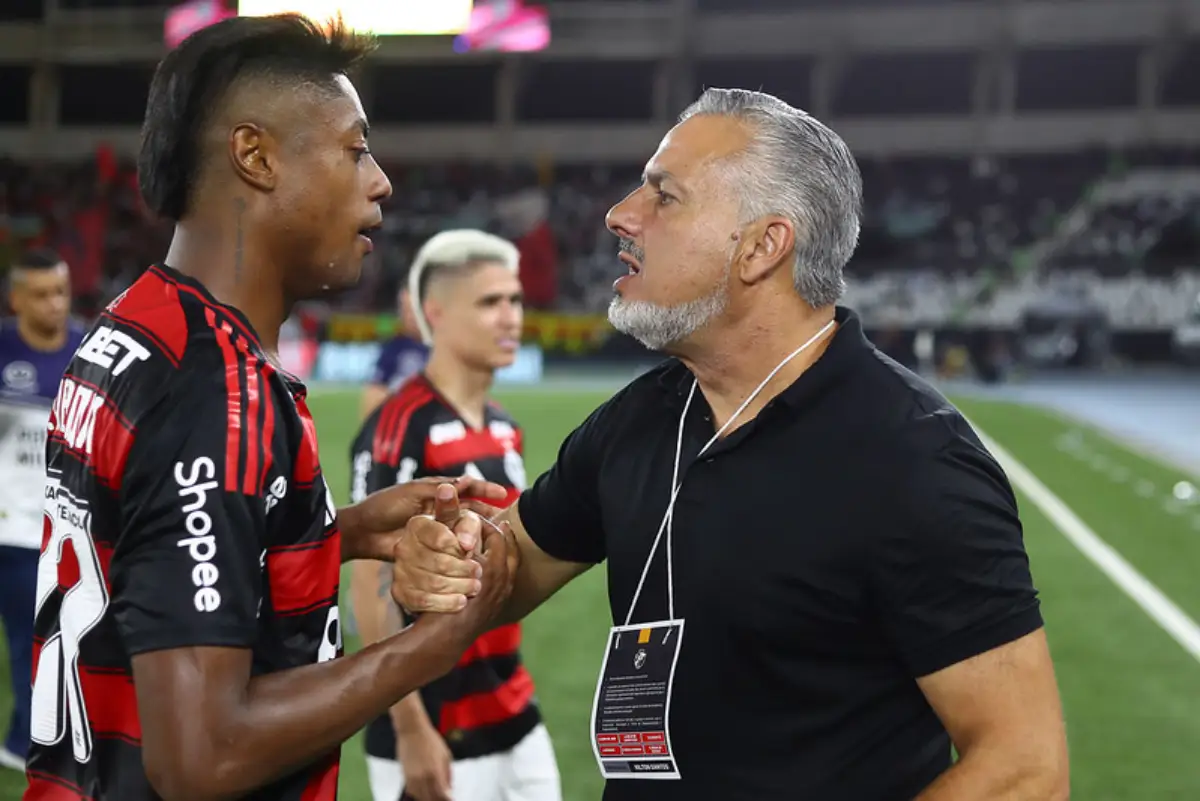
(434, 312)
(252, 152)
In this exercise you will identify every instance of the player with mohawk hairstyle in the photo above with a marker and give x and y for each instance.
(187, 638)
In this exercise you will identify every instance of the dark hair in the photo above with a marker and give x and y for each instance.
(37, 259)
(194, 78)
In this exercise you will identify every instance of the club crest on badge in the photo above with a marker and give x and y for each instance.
(20, 377)
(639, 659)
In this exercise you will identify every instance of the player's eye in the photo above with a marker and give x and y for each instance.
(663, 198)
(361, 152)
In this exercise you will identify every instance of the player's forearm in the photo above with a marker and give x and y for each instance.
(988, 773)
(370, 590)
(408, 715)
(378, 617)
(293, 718)
(349, 522)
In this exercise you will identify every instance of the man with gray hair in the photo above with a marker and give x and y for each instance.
(815, 567)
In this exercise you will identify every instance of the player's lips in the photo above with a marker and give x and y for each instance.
(364, 234)
(634, 266)
(509, 344)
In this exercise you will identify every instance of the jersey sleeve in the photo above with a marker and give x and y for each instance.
(952, 578)
(187, 569)
(386, 452)
(561, 511)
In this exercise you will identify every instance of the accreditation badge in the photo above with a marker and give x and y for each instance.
(631, 735)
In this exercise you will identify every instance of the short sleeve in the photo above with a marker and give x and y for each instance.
(561, 511)
(951, 576)
(377, 464)
(187, 567)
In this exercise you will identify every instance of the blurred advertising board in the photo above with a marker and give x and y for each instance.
(569, 334)
(353, 363)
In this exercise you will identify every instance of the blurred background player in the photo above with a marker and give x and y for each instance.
(476, 733)
(400, 357)
(35, 346)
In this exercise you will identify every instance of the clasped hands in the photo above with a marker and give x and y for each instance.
(438, 533)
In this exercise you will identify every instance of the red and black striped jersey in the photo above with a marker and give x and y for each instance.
(485, 705)
(185, 506)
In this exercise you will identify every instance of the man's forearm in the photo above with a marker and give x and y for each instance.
(521, 604)
(982, 775)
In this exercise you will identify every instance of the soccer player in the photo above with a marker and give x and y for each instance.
(476, 733)
(35, 346)
(187, 636)
(400, 357)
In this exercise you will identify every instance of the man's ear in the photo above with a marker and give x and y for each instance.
(434, 312)
(254, 155)
(767, 245)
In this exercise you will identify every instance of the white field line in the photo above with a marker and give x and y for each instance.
(1135, 445)
(1161, 609)
(1072, 444)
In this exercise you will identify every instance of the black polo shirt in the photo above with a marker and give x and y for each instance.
(854, 536)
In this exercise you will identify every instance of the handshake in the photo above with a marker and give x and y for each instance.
(453, 560)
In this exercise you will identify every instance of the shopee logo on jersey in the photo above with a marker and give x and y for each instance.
(200, 543)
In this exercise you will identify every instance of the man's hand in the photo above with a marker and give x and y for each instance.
(444, 560)
(433, 570)
(454, 561)
(426, 760)
(371, 527)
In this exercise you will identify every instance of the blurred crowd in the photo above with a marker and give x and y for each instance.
(1114, 214)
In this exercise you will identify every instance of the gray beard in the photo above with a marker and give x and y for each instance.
(659, 327)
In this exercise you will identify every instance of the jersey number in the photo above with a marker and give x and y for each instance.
(57, 689)
(331, 637)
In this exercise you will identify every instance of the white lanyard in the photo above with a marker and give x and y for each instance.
(678, 484)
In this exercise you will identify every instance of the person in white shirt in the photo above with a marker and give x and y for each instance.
(36, 344)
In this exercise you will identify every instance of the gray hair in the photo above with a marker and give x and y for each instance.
(798, 168)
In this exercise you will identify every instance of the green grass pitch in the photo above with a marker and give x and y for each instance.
(1132, 695)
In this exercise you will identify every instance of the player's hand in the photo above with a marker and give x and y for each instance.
(500, 559)
(371, 527)
(454, 560)
(426, 760)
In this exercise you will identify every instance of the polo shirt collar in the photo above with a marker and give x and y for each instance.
(848, 344)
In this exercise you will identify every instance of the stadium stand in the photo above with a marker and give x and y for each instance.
(928, 220)
(983, 179)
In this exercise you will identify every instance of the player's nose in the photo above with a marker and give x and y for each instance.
(380, 185)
